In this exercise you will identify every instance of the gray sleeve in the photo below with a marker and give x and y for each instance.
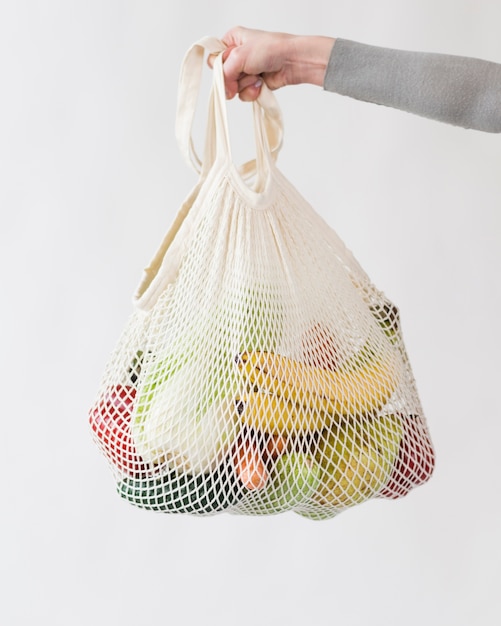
(457, 90)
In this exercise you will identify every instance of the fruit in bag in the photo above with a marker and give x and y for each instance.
(415, 463)
(293, 479)
(362, 385)
(249, 464)
(110, 422)
(357, 457)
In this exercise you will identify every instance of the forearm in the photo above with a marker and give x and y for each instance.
(457, 90)
(308, 58)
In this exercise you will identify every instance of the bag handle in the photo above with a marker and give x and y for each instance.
(268, 128)
(267, 114)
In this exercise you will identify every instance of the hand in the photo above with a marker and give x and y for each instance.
(279, 59)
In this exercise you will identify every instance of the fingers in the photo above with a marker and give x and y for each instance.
(230, 78)
(252, 90)
(247, 86)
(243, 62)
(235, 72)
(250, 94)
(238, 35)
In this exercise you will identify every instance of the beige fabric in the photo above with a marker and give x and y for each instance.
(162, 269)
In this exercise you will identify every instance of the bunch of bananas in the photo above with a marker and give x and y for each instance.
(336, 411)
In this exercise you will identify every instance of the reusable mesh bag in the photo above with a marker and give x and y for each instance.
(261, 371)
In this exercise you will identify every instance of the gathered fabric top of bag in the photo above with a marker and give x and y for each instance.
(261, 371)
(217, 159)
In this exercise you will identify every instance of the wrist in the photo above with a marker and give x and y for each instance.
(309, 57)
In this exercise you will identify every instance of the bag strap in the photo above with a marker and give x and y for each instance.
(189, 87)
(268, 128)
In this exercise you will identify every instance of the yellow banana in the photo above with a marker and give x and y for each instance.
(357, 457)
(275, 415)
(360, 386)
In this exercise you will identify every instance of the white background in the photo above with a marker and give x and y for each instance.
(90, 179)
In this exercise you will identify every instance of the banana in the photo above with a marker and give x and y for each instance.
(357, 458)
(362, 385)
(275, 415)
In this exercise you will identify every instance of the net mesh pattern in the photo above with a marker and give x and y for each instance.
(270, 375)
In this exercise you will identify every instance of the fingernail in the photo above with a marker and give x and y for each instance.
(258, 83)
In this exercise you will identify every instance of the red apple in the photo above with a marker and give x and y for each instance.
(110, 420)
(415, 462)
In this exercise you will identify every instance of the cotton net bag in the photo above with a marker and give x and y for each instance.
(261, 371)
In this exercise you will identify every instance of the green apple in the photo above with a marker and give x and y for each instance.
(293, 479)
(356, 457)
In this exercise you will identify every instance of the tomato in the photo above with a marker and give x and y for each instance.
(110, 421)
(415, 462)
